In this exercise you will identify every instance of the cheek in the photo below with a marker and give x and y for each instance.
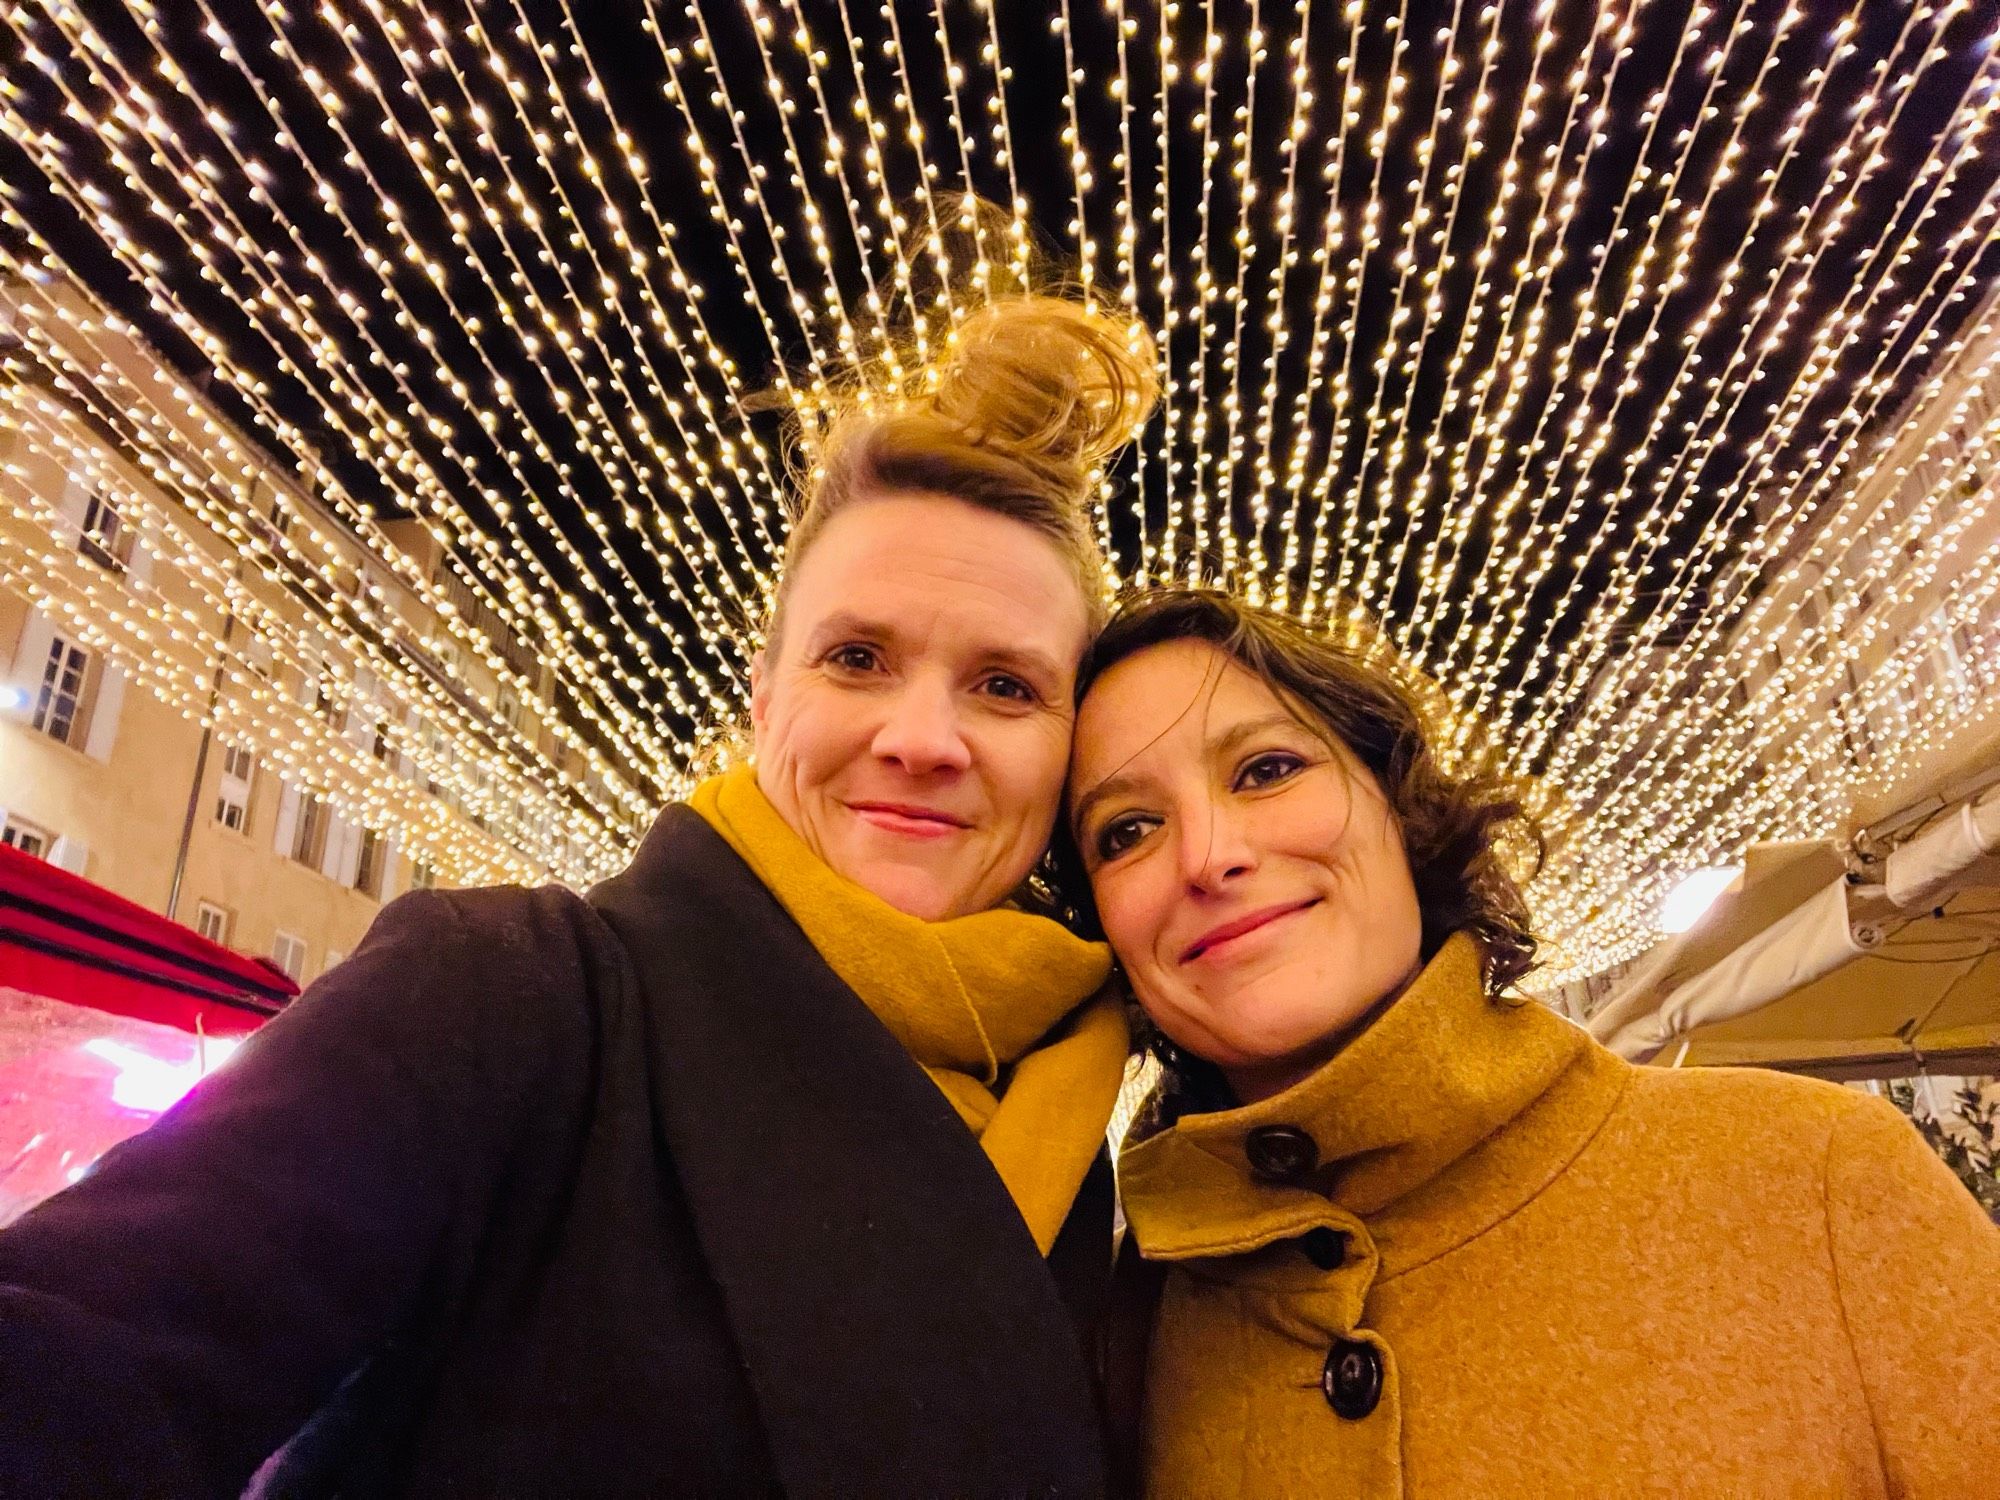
(1025, 770)
(1388, 867)
(814, 731)
(1321, 824)
(1130, 913)
(1377, 872)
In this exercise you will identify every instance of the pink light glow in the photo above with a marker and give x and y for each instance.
(151, 1084)
(58, 1111)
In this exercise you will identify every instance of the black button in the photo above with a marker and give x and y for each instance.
(1324, 1247)
(1352, 1379)
(1280, 1153)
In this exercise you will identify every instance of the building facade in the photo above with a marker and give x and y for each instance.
(223, 698)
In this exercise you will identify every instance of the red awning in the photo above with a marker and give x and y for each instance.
(64, 937)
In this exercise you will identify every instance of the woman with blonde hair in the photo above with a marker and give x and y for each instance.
(1412, 1234)
(773, 1164)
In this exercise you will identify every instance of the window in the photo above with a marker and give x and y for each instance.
(26, 837)
(437, 759)
(289, 953)
(481, 808)
(232, 798)
(271, 529)
(104, 539)
(211, 921)
(422, 876)
(1947, 666)
(309, 837)
(59, 707)
(316, 681)
(368, 871)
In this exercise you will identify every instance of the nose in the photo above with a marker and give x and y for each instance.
(921, 731)
(1215, 850)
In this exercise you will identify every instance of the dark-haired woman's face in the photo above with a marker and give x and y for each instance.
(1248, 871)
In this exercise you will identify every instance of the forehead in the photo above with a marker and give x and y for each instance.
(1163, 704)
(933, 567)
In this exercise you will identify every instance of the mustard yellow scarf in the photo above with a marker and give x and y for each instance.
(1007, 1012)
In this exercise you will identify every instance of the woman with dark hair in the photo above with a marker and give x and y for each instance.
(1410, 1233)
(773, 1165)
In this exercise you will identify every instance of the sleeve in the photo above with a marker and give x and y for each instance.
(1917, 1264)
(173, 1318)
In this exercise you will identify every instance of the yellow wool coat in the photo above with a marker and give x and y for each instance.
(1478, 1255)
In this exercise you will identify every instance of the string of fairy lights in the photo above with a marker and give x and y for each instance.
(1634, 361)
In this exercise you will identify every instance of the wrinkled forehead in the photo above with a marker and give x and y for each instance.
(943, 573)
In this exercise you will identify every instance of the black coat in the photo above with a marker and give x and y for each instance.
(539, 1196)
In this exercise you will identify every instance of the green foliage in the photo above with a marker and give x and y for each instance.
(1968, 1138)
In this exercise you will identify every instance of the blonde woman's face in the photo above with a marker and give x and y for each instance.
(913, 719)
(1248, 872)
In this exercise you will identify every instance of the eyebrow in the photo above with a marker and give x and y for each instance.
(1023, 659)
(1222, 744)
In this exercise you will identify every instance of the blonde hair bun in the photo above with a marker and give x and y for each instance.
(1061, 385)
(1027, 398)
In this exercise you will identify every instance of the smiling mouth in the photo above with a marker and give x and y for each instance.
(911, 821)
(1243, 926)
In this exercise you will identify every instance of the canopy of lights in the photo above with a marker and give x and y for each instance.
(1566, 339)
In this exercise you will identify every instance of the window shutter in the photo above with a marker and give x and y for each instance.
(330, 848)
(350, 854)
(139, 567)
(405, 766)
(311, 665)
(288, 820)
(103, 731)
(75, 501)
(343, 851)
(360, 727)
(31, 654)
(70, 854)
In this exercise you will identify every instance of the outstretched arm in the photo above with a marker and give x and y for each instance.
(173, 1318)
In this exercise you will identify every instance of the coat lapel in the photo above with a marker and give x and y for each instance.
(900, 1329)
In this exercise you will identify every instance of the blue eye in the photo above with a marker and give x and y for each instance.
(1268, 770)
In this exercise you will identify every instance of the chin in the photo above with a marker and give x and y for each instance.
(1287, 1036)
(911, 892)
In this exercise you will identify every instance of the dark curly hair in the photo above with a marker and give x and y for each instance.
(1459, 826)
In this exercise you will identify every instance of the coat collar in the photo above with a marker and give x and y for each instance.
(898, 1325)
(1449, 1112)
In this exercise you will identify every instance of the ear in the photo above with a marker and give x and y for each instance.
(760, 692)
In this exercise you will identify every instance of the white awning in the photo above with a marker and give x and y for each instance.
(1811, 940)
(1824, 961)
(1937, 861)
